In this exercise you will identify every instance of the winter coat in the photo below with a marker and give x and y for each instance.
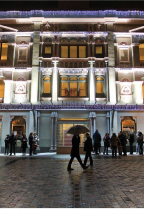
(140, 140)
(131, 138)
(75, 146)
(30, 140)
(88, 145)
(6, 141)
(106, 141)
(24, 143)
(12, 140)
(123, 140)
(114, 141)
(97, 137)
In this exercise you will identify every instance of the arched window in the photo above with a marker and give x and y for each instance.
(2, 86)
(99, 85)
(141, 53)
(73, 86)
(47, 85)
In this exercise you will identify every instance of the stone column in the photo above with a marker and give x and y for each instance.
(108, 122)
(138, 92)
(55, 81)
(111, 64)
(107, 80)
(40, 80)
(91, 83)
(35, 63)
(54, 117)
(55, 131)
(38, 123)
(8, 92)
(92, 117)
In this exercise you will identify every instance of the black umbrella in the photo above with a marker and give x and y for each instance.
(78, 129)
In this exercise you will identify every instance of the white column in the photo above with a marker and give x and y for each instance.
(108, 122)
(92, 117)
(138, 92)
(31, 122)
(35, 63)
(38, 123)
(8, 91)
(91, 83)
(55, 81)
(55, 134)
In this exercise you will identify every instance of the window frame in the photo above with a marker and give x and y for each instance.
(99, 55)
(1, 51)
(69, 45)
(46, 81)
(104, 86)
(120, 49)
(22, 47)
(73, 81)
(47, 55)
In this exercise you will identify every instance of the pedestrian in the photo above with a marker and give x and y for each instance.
(24, 144)
(12, 141)
(35, 143)
(140, 143)
(31, 143)
(137, 146)
(88, 148)
(131, 141)
(7, 144)
(106, 140)
(114, 144)
(75, 153)
(123, 141)
(97, 141)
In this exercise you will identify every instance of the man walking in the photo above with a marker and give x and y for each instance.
(88, 148)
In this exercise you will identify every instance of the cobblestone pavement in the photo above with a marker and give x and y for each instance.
(44, 182)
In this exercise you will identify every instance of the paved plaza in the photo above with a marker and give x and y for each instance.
(43, 181)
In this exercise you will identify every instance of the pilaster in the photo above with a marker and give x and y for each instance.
(91, 82)
(8, 91)
(55, 81)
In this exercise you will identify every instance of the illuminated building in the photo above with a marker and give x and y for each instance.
(59, 68)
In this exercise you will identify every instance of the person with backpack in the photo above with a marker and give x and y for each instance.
(131, 141)
(97, 142)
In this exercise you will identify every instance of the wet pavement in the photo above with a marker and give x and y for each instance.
(42, 181)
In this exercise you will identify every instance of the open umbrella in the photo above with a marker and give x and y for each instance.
(78, 129)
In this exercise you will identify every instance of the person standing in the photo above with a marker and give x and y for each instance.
(7, 144)
(31, 143)
(131, 141)
(106, 143)
(35, 143)
(140, 143)
(75, 153)
(137, 146)
(12, 141)
(97, 141)
(114, 144)
(88, 148)
(24, 144)
(123, 141)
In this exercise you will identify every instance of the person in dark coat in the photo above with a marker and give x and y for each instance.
(88, 148)
(24, 144)
(106, 143)
(75, 153)
(114, 144)
(123, 140)
(31, 143)
(7, 144)
(131, 141)
(97, 141)
(12, 141)
(140, 143)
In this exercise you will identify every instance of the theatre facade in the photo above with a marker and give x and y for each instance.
(62, 68)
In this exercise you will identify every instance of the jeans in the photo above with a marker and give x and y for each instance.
(137, 147)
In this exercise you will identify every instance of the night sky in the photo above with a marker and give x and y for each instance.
(70, 5)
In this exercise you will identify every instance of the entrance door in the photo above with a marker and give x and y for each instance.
(128, 125)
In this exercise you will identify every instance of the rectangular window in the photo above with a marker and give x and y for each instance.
(4, 51)
(124, 55)
(22, 54)
(141, 52)
(47, 51)
(64, 51)
(82, 51)
(73, 51)
(73, 89)
(64, 89)
(47, 87)
(2, 85)
(99, 88)
(98, 50)
(82, 89)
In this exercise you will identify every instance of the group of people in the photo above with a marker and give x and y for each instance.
(11, 142)
(119, 141)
